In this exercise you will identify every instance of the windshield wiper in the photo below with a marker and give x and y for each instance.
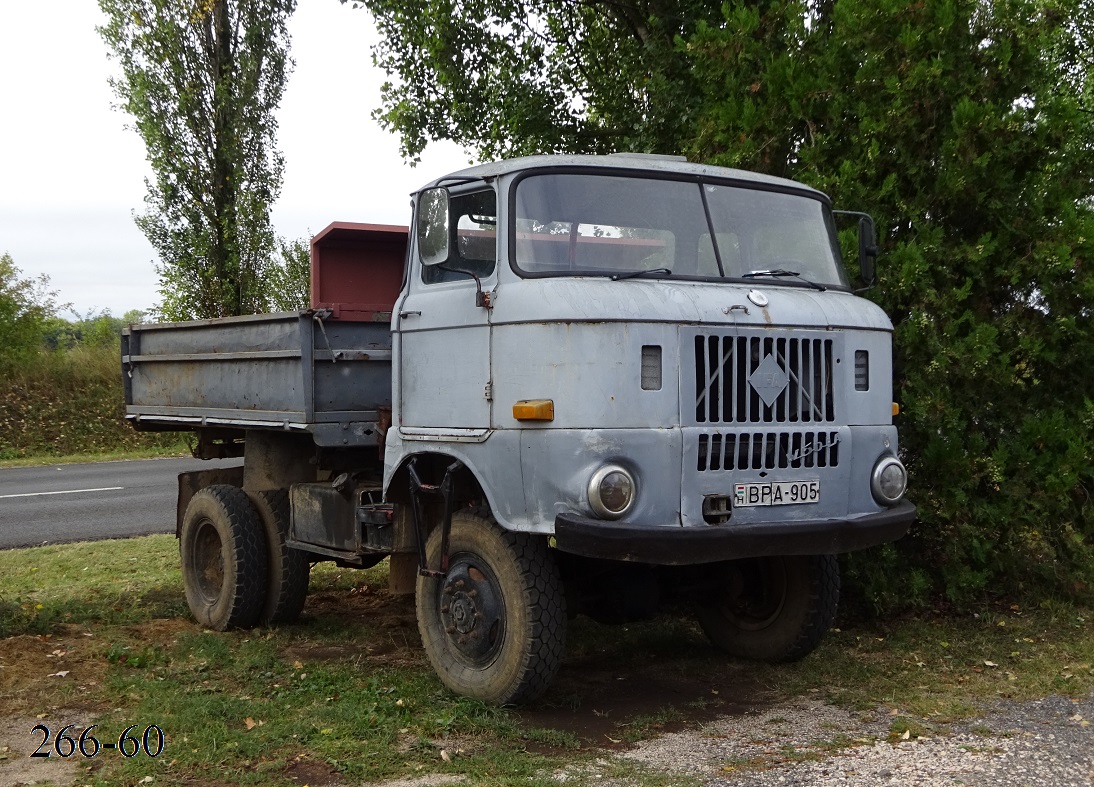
(784, 272)
(635, 274)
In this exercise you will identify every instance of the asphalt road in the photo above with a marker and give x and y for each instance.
(84, 502)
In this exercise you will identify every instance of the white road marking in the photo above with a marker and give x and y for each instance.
(66, 492)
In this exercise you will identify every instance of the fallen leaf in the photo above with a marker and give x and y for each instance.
(249, 723)
(907, 734)
(297, 665)
(445, 755)
(63, 673)
(990, 664)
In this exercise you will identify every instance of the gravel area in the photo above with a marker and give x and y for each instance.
(1048, 742)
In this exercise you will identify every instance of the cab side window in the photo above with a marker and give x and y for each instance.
(474, 245)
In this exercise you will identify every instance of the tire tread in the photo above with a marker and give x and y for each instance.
(288, 569)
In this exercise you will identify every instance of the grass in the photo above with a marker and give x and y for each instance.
(67, 403)
(344, 694)
(168, 449)
(101, 629)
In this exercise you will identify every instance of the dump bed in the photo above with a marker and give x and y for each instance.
(326, 371)
(292, 371)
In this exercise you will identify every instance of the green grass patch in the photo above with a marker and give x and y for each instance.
(179, 447)
(346, 693)
(941, 668)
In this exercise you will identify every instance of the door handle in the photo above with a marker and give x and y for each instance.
(409, 314)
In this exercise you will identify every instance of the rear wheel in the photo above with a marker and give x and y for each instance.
(773, 609)
(224, 558)
(494, 627)
(288, 569)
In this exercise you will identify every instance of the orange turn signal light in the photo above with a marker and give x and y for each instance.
(534, 410)
(896, 409)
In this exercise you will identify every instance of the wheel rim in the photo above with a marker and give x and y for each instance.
(757, 594)
(472, 611)
(208, 554)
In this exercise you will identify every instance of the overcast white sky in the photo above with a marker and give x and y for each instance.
(72, 173)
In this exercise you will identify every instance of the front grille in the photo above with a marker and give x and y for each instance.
(763, 379)
(767, 450)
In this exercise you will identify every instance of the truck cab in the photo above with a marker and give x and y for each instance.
(651, 354)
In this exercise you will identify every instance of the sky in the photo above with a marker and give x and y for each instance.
(72, 170)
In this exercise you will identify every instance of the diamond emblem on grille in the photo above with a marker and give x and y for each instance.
(769, 380)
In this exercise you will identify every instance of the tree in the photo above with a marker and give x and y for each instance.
(516, 77)
(202, 79)
(289, 282)
(965, 126)
(948, 119)
(26, 305)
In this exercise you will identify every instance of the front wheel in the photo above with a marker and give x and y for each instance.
(774, 609)
(494, 627)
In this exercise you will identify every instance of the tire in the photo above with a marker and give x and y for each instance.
(288, 569)
(774, 609)
(224, 558)
(494, 628)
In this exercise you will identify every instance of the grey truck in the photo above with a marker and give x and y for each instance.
(574, 385)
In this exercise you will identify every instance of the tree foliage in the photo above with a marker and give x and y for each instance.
(289, 282)
(94, 330)
(516, 77)
(948, 120)
(202, 79)
(26, 306)
(965, 126)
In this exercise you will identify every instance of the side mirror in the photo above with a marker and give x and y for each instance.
(867, 248)
(433, 226)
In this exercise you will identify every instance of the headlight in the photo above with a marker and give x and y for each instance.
(888, 480)
(611, 492)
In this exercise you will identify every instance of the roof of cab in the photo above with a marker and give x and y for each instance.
(623, 161)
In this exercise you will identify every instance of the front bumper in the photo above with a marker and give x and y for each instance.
(681, 546)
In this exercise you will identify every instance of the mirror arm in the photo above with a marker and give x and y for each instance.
(482, 298)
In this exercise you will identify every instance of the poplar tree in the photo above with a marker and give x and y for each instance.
(201, 79)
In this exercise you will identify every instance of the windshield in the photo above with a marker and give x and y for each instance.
(592, 224)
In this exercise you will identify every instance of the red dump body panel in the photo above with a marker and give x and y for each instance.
(357, 270)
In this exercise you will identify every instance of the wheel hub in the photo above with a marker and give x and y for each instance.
(472, 611)
(209, 559)
(756, 601)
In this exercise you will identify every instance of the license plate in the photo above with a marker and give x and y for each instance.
(781, 493)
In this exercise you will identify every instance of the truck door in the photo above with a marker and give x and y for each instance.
(443, 330)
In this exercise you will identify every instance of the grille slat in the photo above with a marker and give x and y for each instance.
(767, 450)
(752, 380)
